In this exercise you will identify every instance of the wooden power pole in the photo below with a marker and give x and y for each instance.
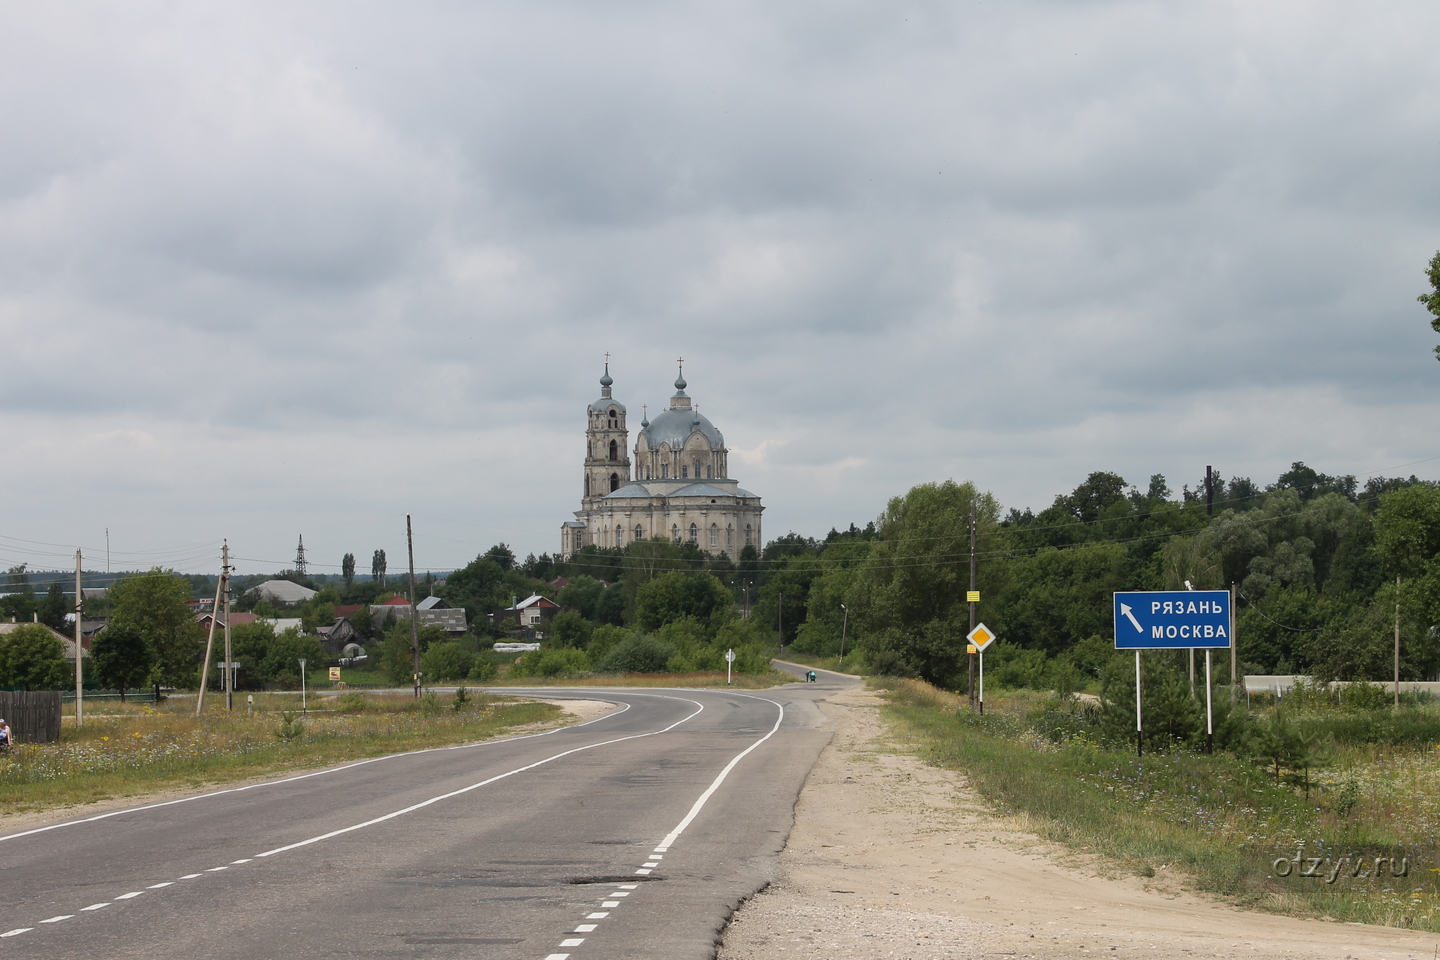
(414, 621)
(79, 649)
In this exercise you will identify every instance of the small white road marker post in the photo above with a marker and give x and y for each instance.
(729, 660)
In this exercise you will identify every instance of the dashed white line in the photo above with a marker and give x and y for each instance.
(130, 896)
(558, 956)
(157, 886)
(598, 915)
(642, 871)
(190, 876)
(611, 903)
(94, 906)
(16, 932)
(246, 860)
(582, 928)
(572, 942)
(63, 916)
(627, 886)
(216, 869)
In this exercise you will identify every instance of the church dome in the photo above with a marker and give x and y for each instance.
(674, 426)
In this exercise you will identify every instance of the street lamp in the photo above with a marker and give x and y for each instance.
(303, 712)
(844, 624)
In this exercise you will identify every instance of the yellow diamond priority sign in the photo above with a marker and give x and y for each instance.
(981, 637)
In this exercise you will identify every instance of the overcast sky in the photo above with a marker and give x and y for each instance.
(272, 269)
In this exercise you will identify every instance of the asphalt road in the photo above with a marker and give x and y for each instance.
(632, 836)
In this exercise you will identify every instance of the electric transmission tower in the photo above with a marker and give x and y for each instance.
(300, 557)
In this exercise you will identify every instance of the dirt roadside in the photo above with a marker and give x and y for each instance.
(892, 858)
(575, 711)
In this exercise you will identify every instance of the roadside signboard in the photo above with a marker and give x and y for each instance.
(334, 673)
(1172, 619)
(981, 637)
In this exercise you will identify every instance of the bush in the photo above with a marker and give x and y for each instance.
(551, 663)
(638, 654)
(482, 671)
(446, 660)
(605, 638)
(31, 658)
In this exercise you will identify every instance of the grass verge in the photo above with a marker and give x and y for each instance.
(130, 750)
(1219, 821)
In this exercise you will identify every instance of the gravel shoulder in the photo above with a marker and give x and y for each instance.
(890, 857)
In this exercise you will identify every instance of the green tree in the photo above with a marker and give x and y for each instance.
(282, 661)
(1432, 299)
(249, 646)
(157, 605)
(54, 607)
(479, 587)
(33, 658)
(676, 595)
(502, 556)
(347, 570)
(570, 629)
(121, 658)
(377, 567)
(1407, 529)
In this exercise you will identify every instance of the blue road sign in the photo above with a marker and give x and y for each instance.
(1172, 619)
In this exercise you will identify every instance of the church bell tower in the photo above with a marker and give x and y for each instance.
(607, 457)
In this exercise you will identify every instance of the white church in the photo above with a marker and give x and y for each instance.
(681, 488)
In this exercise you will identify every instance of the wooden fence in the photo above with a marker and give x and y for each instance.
(33, 717)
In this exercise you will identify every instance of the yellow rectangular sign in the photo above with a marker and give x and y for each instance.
(972, 596)
(334, 673)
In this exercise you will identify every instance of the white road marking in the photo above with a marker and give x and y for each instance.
(216, 869)
(661, 849)
(627, 886)
(94, 906)
(16, 932)
(321, 773)
(652, 863)
(642, 872)
(611, 903)
(572, 942)
(674, 835)
(190, 876)
(598, 915)
(157, 886)
(619, 894)
(699, 708)
(246, 860)
(130, 896)
(656, 856)
(558, 956)
(582, 928)
(63, 916)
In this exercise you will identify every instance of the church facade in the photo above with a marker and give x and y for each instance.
(680, 487)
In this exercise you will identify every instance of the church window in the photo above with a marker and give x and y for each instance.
(707, 471)
(619, 536)
(714, 535)
(694, 533)
(614, 482)
(614, 450)
(697, 469)
(729, 535)
(684, 471)
(639, 533)
(675, 532)
(749, 538)
(664, 471)
(579, 539)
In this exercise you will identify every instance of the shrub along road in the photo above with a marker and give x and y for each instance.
(631, 836)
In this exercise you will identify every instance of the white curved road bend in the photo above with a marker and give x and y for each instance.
(631, 836)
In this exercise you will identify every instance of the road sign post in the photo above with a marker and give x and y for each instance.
(729, 661)
(981, 637)
(1173, 620)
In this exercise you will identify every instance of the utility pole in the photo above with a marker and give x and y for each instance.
(843, 627)
(780, 619)
(210, 644)
(79, 650)
(300, 563)
(414, 623)
(1234, 644)
(229, 656)
(1397, 641)
(1209, 491)
(971, 604)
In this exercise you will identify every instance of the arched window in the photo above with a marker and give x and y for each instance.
(675, 532)
(614, 450)
(707, 471)
(619, 536)
(729, 535)
(697, 469)
(664, 471)
(684, 471)
(749, 539)
(714, 535)
(614, 482)
(694, 533)
(639, 533)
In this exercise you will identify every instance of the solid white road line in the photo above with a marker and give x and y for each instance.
(320, 773)
(699, 708)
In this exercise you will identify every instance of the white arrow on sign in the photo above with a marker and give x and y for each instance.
(1125, 612)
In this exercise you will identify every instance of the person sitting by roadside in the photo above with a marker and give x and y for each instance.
(4, 735)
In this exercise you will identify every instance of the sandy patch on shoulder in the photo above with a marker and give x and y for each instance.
(890, 857)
